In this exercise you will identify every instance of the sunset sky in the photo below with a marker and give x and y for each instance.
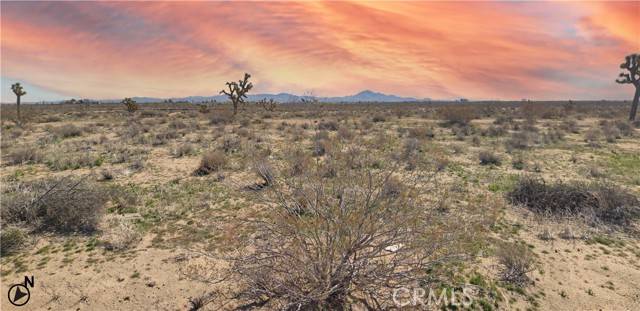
(440, 50)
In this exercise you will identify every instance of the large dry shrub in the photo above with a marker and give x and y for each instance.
(595, 203)
(63, 205)
(328, 242)
(211, 161)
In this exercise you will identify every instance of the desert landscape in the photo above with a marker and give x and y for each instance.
(204, 156)
(168, 198)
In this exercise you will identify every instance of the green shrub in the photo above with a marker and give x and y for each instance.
(11, 240)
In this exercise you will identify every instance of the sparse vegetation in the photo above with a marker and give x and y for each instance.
(306, 171)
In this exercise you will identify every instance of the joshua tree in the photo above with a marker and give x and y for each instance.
(633, 77)
(268, 105)
(130, 104)
(238, 91)
(17, 89)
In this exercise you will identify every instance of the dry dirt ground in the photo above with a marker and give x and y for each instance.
(173, 219)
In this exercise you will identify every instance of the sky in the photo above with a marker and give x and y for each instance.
(438, 50)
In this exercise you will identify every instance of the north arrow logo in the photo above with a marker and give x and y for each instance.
(19, 294)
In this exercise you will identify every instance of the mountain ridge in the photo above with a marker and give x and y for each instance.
(363, 96)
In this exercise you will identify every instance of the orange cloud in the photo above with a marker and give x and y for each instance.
(425, 49)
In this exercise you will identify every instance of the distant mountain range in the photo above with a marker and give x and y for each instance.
(364, 96)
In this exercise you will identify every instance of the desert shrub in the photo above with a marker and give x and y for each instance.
(321, 135)
(553, 135)
(592, 137)
(265, 171)
(72, 161)
(231, 144)
(517, 260)
(503, 120)
(625, 128)
(105, 175)
(457, 115)
(184, 150)
(298, 162)
(211, 161)
(323, 241)
(518, 162)
(378, 118)
(177, 125)
(345, 133)
(595, 203)
(570, 125)
(519, 140)
(219, 119)
(495, 131)
(475, 141)
(150, 114)
(11, 240)
(120, 235)
(366, 124)
(321, 147)
(328, 125)
(137, 165)
(62, 205)
(611, 133)
(162, 138)
(242, 132)
(203, 108)
(50, 119)
(25, 154)
(420, 132)
(489, 158)
(66, 131)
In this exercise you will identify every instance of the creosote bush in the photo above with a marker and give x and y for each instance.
(597, 203)
(330, 241)
(63, 205)
(517, 260)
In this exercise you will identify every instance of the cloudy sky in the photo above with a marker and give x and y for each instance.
(479, 50)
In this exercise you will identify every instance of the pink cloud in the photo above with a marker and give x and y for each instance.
(476, 50)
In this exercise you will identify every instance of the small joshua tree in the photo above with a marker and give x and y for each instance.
(268, 105)
(631, 64)
(238, 91)
(17, 89)
(130, 104)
